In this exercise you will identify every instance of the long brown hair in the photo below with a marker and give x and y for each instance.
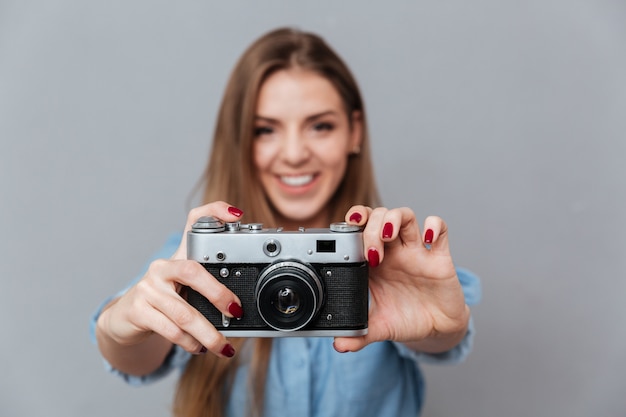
(204, 386)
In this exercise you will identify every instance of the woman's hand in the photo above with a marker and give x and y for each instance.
(153, 314)
(415, 294)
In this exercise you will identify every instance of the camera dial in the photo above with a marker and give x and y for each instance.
(233, 226)
(208, 224)
(343, 227)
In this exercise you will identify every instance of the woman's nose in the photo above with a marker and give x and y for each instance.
(294, 148)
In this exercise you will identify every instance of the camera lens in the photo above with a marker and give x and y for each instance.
(289, 295)
(286, 301)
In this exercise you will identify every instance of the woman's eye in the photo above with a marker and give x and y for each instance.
(263, 130)
(323, 126)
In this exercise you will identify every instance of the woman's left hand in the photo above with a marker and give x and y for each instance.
(415, 295)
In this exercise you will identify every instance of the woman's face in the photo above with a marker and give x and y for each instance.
(302, 141)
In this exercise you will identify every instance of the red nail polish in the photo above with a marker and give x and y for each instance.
(236, 310)
(203, 350)
(428, 237)
(228, 351)
(387, 231)
(372, 257)
(356, 217)
(235, 211)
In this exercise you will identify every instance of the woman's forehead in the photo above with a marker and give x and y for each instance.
(297, 91)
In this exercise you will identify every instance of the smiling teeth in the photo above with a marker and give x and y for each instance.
(297, 181)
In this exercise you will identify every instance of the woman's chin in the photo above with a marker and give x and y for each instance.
(295, 216)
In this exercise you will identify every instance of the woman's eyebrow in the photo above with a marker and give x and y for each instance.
(322, 114)
(261, 118)
(258, 118)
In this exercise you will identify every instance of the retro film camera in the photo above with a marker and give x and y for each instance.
(311, 282)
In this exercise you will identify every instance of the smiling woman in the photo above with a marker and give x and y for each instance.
(303, 139)
(291, 149)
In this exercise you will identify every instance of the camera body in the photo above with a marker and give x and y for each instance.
(310, 282)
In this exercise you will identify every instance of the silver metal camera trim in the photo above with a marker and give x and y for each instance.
(299, 333)
(241, 245)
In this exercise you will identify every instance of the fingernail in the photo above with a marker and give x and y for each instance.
(236, 310)
(356, 217)
(203, 350)
(235, 211)
(387, 230)
(428, 237)
(372, 257)
(228, 351)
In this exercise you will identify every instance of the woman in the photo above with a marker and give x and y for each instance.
(291, 149)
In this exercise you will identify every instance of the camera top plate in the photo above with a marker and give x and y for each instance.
(210, 224)
(214, 241)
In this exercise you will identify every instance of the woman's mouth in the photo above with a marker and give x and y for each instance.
(296, 180)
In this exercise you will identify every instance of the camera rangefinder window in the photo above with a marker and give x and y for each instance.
(326, 246)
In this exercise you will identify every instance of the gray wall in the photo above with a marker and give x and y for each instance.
(506, 118)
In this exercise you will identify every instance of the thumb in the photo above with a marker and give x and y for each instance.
(350, 344)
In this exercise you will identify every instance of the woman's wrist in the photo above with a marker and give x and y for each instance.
(139, 356)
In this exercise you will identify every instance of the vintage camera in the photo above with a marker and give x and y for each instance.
(310, 282)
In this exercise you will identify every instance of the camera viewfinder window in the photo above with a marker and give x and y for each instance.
(326, 246)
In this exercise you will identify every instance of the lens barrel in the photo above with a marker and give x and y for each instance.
(289, 294)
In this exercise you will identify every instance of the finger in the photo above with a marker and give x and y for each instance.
(218, 209)
(194, 275)
(195, 335)
(358, 215)
(372, 237)
(394, 227)
(350, 344)
(390, 225)
(377, 331)
(400, 226)
(134, 317)
(179, 322)
(436, 235)
(159, 323)
(409, 228)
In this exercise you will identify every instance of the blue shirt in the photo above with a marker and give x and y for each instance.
(308, 378)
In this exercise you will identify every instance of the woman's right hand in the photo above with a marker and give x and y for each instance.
(156, 306)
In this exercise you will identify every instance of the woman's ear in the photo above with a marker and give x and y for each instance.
(356, 132)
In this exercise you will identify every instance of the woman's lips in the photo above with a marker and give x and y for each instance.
(296, 180)
(297, 184)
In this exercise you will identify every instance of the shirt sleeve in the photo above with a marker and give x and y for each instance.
(473, 294)
(177, 358)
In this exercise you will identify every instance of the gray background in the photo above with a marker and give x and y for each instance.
(506, 118)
